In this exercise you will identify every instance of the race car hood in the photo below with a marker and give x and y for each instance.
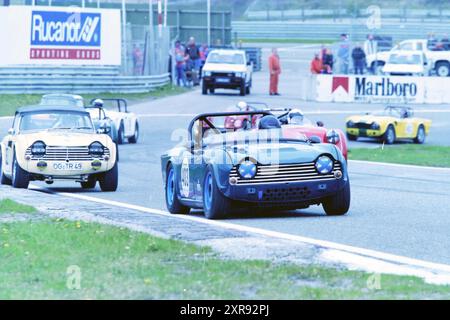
(280, 153)
(62, 138)
(223, 67)
(369, 118)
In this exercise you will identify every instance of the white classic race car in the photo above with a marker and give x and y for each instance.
(125, 124)
(48, 143)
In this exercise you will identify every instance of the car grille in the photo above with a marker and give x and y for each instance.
(222, 74)
(54, 153)
(362, 125)
(285, 173)
(286, 194)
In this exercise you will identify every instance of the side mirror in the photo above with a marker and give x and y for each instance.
(11, 132)
(249, 63)
(315, 139)
(320, 124)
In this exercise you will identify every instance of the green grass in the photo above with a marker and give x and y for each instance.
(59, 259)
(10, 102)
(9, 206)
(433, 156)
(282, 40)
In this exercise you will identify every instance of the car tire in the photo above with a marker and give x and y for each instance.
(377, 67)
(212, 90)
(338, 204)
(242, 89)
(3, 179)
(204, 88)
(215, 204)
(171, 190)
(247, 90)
(121, 134)
(442, 69)
(351, 137)
(420, 138)
(389, 136)
(90, 183)
(110, 180)
(20, 178)
(134, 139)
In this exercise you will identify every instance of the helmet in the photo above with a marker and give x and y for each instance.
(98, 103)
(269, 122)
(295, 116)
(242, 106)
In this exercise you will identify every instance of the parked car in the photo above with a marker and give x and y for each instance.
(227, 69)
(221, 170)
(49, 143)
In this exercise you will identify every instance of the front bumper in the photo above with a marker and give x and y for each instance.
(364, 132)
(66, 170)
(223, 82)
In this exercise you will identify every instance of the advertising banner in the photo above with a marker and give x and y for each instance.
(59, 36)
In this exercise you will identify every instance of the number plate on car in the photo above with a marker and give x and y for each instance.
(222, 80)
(61, 166)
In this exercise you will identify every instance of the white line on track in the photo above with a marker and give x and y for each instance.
(359, 256)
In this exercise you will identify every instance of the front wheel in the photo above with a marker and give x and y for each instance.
(242, 89)
(135, 137)
(20, 178)
(389, 135)
(215, 204)
(442, 69)
(90, 183)
(420, 138)
(172, 202)
(121, 134)
(110, 180)
(338, 204)
(204, 88)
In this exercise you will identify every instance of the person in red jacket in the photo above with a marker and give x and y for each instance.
(275, 70)
(316, 65)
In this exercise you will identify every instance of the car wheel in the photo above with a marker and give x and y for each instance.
(377, 67)
(110, 179)
(242, 89)
(215, 204)
(442, 69)
(172, 202)
(135, 137)
(3, 178)
(351, 137)
(389, 135)
(20, 178)
(247, 90)
(204, 88)
(338, 204)
(90, 183)
(121, 134)
(212, 90)
(420, 138)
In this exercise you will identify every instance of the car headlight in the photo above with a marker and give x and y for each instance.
(333, 137)
(350, 124)
(247, 169)
(240, 74)
(38, 149)
(96, 149)
(375, 126)
(207, 73)
(324, 165)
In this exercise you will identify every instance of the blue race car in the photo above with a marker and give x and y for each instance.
(221, 169)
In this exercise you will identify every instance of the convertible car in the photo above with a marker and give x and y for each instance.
(389, 125)
(221, 170)
(49, 143)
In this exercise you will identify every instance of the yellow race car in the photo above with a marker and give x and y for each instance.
(389, 125)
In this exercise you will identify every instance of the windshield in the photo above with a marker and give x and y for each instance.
(216, 57)
(55, 120)
(405, 59)
(389, 112)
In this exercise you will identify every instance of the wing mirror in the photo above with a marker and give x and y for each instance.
(11, 132)
(315, 139)
(320, 124)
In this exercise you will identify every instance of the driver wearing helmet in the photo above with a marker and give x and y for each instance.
(98, 103)
(295, 116)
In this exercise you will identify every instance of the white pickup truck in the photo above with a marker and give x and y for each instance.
(438, 60)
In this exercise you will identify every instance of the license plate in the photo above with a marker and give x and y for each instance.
(222, 80)
(61, 166)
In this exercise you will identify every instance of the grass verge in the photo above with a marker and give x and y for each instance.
(58, 259)
(10, 102)
(281, 40)
(433, 156)
(9, 206)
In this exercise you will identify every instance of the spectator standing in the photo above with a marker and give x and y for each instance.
(193, 53)
(316, 64)
(137, 60)
(180, 60)
(275, 71)
(370, 45)
(343, 54)
(359, 59)
(328, 61)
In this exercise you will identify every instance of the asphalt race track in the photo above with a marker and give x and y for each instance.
(395, 209)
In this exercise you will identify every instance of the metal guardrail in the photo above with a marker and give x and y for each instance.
(17, 84)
